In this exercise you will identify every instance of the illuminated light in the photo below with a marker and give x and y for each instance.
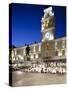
(42, 27)
(14, 65)
(47, 35)
(24, 51)
(46, 25)
(63, 44)
(13, 58)
(59, 54)
(20, 57)
(32, 57)
(12, 54)
(19, 72)
(19, 64)
(48, 11)
(36, 55)
(39, 47)
(56, 43)
(42, 40)
(51, 37)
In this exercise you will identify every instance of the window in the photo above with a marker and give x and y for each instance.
(63, 52)
(37, 48)
(56, 45)
(20, 51)
(56, 53)
(63, 44)
(34, 55)
(39, 55)
(31, 49)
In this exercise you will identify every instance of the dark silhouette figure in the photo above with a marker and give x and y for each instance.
(27, 50)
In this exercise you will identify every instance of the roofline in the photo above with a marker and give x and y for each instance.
(61, 38)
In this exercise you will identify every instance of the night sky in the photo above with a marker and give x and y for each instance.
(26, 23)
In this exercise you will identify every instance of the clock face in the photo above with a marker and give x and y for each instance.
(47, 35)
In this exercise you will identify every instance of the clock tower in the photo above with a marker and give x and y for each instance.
(48, 25)
(47, 30)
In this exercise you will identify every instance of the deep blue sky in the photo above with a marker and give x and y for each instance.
(26, 23)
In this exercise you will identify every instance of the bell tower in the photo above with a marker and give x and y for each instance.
(48, 25)
(47, 30)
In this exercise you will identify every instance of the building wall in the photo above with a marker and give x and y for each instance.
(60, 46)
(54, 48)
(47, 49)
(20, 53)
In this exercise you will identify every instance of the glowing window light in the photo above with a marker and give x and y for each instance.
(63, 44)
(39, 47)
(60, 54)
(32, 57)
(36, 55)
(20, 57)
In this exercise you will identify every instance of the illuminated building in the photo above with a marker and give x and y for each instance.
(49, 50)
